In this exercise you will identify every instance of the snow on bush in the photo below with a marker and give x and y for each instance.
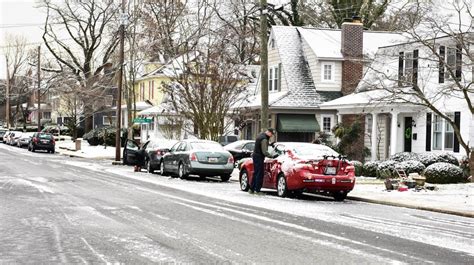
(404, 156)
(370, 169)
(430, 158)
(412, 166)
(358, 167)
(443, 173)
(386, 169)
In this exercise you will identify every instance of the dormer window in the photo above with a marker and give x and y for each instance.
(273, 78)
(327, 72)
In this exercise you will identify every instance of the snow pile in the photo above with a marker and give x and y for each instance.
(443, 173)
(87, 151)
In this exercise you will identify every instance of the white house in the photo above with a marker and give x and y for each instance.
(307, 67)
(397, 120)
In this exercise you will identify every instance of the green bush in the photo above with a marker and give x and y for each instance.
(386, 169)
(412, 166)
(359, 167)
(430, 158)
(443, 173)
(404, 156)
(370, 169)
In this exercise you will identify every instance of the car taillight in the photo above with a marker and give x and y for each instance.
(159, 152)
(192, 157)
(35, 140)
(230, 160)
(349, 168)
(53, 141)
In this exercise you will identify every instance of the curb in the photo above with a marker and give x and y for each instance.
(431, 209)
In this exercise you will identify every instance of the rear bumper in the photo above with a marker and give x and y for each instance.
(210, 170)
(43, 146)
(321, 183)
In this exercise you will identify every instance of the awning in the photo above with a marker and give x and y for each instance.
(297, 123)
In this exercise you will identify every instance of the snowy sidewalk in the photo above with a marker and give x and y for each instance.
(455, 199)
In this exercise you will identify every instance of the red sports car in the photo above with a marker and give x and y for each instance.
(303, 167)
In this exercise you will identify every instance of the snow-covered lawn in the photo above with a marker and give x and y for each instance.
(87, 151)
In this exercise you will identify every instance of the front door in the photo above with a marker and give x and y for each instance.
(407, 134)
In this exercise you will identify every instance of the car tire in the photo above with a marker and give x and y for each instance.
(29, 148)
(340, 196)
(225, 178)
(52, 151)
(244, 180)
(162, 168)
(282, 188)
(182, 174)
(149, 168)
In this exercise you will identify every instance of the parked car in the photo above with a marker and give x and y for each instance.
(303, 167)
(198, 157)
(149, 155)
(8, 139)
(5, 137)
(240, 149)
(14, 138)
(25, 139)
(42, 141)
(2, 133)
(227, 139)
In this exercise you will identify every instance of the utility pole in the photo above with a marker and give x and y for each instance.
(39, 88)
(7, 95)
(119, 84)
(264, 64)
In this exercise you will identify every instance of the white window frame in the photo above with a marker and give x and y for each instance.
(333, 70)
(444, 128)
(105, 120)
(273, 79)
(331, 122)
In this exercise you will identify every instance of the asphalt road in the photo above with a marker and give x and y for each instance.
(55, 212)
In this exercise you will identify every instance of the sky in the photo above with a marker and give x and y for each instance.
(19, 17)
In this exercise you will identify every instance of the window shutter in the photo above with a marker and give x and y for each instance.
(441, 64)
(415, 67)
(457, 121)
(279, 77)
(428, 132)
(458, 62)
(400, 68)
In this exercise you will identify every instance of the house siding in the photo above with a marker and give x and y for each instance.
(275, 60)
(315, 67)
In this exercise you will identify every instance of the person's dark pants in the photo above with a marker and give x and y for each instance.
(257, 180)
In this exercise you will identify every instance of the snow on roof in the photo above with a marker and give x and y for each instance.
(326, 43)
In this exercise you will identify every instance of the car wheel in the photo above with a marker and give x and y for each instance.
(182, 171)
(282, 190)
(162, 168)
(340, 196)
(29, 148)
(52, 151)
(225, 177)
(149, 168)
(244, 180)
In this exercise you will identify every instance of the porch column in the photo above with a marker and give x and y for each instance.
(393, 133)
(373, 146)
(339, 121)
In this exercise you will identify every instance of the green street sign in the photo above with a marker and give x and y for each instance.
(143, 120)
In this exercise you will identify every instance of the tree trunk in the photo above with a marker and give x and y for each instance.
(471, 165)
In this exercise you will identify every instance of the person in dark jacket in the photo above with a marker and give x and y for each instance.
(259, 153)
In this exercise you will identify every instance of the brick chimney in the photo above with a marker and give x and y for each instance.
(351, 48)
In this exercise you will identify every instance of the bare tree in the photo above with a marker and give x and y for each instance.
(436, 70)
(20, 76)
(90, 27)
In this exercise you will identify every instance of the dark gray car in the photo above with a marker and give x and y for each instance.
(198, 157)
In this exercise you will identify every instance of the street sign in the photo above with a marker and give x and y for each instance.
(143, 120)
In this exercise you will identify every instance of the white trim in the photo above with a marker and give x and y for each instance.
(274, 70)
(105, 119)
(333, 69)
(331, 122)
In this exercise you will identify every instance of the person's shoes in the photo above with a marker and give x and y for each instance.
(260, 193)
(251, 191)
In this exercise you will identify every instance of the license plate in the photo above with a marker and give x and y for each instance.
(331, 171)
(212, 159)
(44, 141)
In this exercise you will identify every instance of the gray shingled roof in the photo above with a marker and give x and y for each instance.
(302, 92)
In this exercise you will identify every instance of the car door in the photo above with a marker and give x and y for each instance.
(271, 170)
(247, 149)
(170, 158)
(132, 153)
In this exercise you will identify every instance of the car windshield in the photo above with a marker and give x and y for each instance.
(311, 150)
(206, 146)
(235, 145)
(45, 136)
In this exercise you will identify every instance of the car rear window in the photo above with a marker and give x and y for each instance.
(315, 150)
(45, 136)
(206, 146)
